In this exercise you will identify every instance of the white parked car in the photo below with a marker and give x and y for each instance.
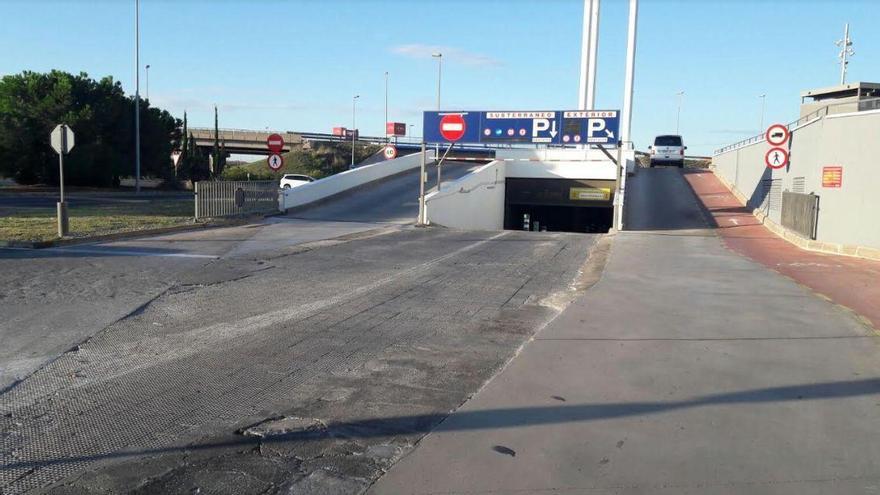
(294, 180)
(668, 150)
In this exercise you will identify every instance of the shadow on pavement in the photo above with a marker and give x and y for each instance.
(506, 418)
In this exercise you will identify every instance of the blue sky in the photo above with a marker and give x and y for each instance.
(294, 65)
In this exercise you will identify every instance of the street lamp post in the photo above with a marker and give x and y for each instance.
(137, 97)
(762, 97)
(353, 125)
(147, 68)
(439, 57)
(386, 108)
(678, 118)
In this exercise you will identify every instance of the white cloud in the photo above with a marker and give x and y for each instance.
(450, 53)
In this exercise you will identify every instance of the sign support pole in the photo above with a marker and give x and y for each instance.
(62, 206)
(63, 224)
(422, 188)
(617, 205)
(440, 163)
(621, 188)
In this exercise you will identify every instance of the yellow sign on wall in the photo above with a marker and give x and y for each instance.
(589, 194)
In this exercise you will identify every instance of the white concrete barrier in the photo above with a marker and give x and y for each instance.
(474, 202)
(341, 182)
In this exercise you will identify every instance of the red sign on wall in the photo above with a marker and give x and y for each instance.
(832, 176)
(395, 128)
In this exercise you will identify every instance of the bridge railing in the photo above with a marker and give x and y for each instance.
(863, 105)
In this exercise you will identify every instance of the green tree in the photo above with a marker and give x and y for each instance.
(101, 116)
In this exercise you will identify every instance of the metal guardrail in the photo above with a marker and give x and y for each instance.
(863, 105)
(231, 198)
(800, 213)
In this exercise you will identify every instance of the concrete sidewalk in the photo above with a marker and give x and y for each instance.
(687, 369)
(851, 282)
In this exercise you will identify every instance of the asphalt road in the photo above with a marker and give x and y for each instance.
(687, 369)
(266, 357)
(42, 288)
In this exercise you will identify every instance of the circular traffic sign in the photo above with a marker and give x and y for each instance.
(390, 152)
(275, 143)
(776, 157)
(452, 127)
(777, 135)
(275, 162)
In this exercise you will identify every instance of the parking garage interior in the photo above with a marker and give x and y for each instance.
(558, 205)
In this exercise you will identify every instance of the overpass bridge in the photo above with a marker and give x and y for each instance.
(253, 142)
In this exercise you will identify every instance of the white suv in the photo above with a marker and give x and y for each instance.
(294, 180)
(667, 150)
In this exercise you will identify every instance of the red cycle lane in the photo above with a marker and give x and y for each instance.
(848, 281)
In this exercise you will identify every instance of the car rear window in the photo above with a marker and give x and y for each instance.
(667, 141)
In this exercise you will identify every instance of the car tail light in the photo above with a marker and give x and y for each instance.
(682, 152)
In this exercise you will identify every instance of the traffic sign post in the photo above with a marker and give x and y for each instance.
(776, 158)
(62, 142)
(777, 136)
(275, 143)
(275, 162)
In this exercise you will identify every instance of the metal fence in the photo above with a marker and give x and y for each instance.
(862, 106)
(800, 213)
(231, 198)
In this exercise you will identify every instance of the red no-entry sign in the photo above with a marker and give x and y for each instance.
(275, 143)
(452, 127)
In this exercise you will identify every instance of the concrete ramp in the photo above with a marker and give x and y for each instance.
(350, 179)
(391, 199)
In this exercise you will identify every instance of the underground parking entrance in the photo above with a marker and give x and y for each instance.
(558, 205)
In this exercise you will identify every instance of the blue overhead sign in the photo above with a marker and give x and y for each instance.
(566, 127)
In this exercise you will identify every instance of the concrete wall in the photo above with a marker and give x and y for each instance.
(335, 184)
(475, 202)
(847, 215)
(575, 163)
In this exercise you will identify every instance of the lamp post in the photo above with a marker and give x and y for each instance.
(353, 125)
(147, 69)
(678, 118)
(386, 108)
(137, 97)
(439, 57)
(762, 97)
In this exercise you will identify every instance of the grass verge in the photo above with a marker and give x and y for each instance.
(41, 224)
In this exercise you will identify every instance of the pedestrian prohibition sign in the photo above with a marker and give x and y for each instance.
(452, 127)
(275, 162)
(776, 158)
